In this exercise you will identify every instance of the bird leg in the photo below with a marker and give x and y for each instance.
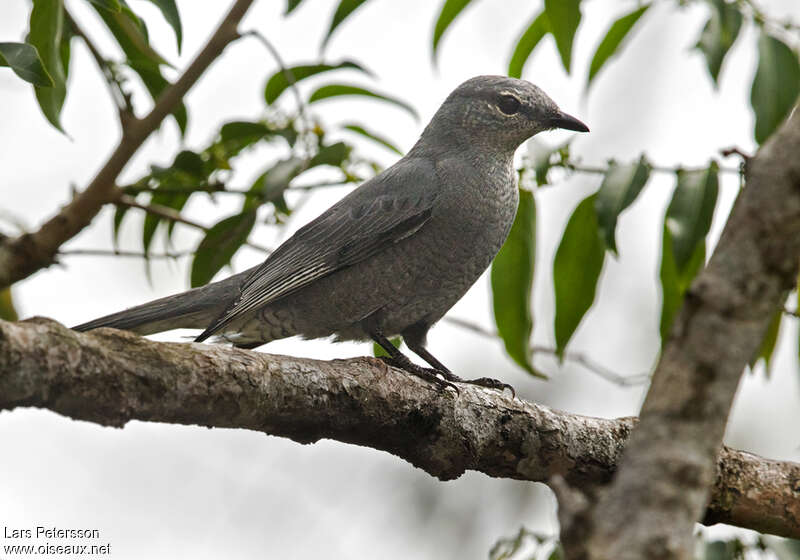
(398, 359)
(415, 344)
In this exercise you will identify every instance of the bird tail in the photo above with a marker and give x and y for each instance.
(194, 309)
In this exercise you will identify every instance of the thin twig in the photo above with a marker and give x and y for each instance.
(120, 253)
(577, 357)
(211, 188)
(323, 184)
(173, 215)
(598, 170)
(734, 150)
(306, 124)
(591, 365)
(121, 99)
(287, 73)
(159, 210)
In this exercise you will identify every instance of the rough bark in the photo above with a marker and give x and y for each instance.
(110, 377)
(22, 256)
(668, 468)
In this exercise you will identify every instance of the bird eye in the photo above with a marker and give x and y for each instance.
(508, 104)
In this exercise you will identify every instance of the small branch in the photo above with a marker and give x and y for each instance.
(159, 210)
(173, 215)
(210, 188)
(111, 377)
(577, 357)
(734, 150)
(598, 170)
(320, 185)
(22, 256)
(594, 367)
(120, 253)
(121, 99)
(287, 73)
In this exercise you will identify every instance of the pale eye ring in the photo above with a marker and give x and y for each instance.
(508, 104)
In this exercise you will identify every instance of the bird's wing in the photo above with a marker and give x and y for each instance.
(362, 224)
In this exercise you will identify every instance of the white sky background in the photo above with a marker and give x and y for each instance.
(159, 491)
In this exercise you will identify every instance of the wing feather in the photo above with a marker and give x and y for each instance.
(359, 226)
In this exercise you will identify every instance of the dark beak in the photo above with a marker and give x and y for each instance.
(568, 122)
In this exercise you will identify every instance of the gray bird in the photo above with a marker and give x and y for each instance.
(394, 255)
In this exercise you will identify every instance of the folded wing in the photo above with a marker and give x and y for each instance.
(370, 219)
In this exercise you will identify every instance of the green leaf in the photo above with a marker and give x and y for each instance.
(187, 173)
(768, 342)
(450, 11)
(7, 310)
(690, 212)
(119, 216)
(131, 33)
(674, 283)
(278, 82)
(621, 185)
(271, 184)
(110, 5)
(291, 5)
(170, 12)
(615, 36)
(378, 351)
(564, 17)
(343, 10)
(334, 154)
(512, 282)
(173, 200)
(46, 28)
(338, 90)
(775, 86)
(219, 245)
(576, 270)
(65, 47)
(683, 248)
(719, 34)
(25, 62)
(235, 136)
(537, 29)
(378, 139)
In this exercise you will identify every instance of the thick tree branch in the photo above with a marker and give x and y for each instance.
(111, 377)
(22, 256)
(668, 468)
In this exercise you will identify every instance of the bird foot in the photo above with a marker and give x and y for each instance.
(487, 382)
(428, 374)
(492, 384)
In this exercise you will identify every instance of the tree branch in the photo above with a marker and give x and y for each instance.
(22, 256)
(665, 474)
(111, 377)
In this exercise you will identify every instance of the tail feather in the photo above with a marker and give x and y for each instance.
(194, 309)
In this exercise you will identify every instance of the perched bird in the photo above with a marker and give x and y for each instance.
(394, 255)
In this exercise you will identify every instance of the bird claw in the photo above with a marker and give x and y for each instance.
(433, 376)
(490, 383)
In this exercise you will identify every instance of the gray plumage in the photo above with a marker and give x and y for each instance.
(393, 256)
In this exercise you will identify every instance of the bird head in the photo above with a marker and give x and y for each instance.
(497, 113)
